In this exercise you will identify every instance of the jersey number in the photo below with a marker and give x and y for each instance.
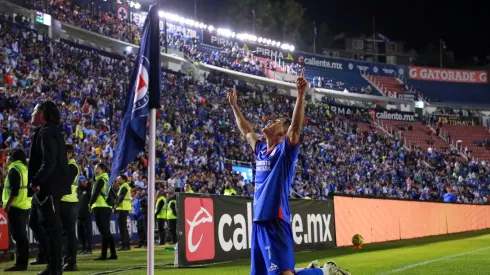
(268, 248)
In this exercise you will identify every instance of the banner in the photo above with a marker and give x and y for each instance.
(382, 220)
(219, 228)
(457, 120)
(4, 231)
(448, 75)
(304, 58)
(273, 53)
(373, 113)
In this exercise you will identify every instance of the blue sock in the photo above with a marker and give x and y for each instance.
(310, 271)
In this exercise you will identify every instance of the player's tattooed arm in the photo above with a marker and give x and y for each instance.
(294, 131)
(242, 123)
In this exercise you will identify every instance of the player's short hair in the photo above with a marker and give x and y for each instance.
(102, 166)
(50, 111)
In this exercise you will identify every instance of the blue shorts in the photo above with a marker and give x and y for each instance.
(272, 247)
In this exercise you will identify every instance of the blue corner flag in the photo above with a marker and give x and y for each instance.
(144, 94)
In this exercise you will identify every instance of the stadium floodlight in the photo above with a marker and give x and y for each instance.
(273, 43)
(210, 28)
(161, 14)
(269, 41)
(291, 48)
(131, 4)
(197, 24)
(259, 40)
(129, 49)
(253, 38)
(233, 34)
(278, 44)
(201, 25)
(137, 6)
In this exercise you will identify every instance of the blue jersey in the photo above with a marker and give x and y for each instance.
(273, 180)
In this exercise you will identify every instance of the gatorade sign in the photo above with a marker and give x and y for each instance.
(447, 75)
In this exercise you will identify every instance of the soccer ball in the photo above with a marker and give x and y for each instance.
(357, 241)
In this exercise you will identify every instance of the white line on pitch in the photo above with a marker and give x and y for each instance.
(433, 261)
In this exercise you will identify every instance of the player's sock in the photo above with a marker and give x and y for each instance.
(312, 271)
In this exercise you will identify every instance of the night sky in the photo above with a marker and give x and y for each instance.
(463, 25)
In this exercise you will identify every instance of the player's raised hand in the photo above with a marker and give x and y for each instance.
(232, 97)
(301, 83)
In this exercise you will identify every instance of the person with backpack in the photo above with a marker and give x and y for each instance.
(102, 211)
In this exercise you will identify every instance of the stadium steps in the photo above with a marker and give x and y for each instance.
(387, 85)
(469, 136)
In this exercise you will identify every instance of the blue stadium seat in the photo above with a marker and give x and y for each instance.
(453, 92)
(350, 79)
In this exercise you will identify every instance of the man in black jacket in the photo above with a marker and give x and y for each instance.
(49, 179)
(84, 219)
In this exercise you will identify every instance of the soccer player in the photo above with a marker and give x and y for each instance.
(272, 237)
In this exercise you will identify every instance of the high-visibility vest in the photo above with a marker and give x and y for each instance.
(229, 192)
(307, 198)
(125, 205)
(73, 197)
(21, 201)
(163, 212)
(190, 191)
(170, 213)
(100, 201)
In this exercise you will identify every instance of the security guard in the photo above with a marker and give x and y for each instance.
(123, 207)
(161, 215)
(172, 217)
(229, 191)
(188, 189)
(17, 204)
(102, 212)
(84, 218)
(68, 213)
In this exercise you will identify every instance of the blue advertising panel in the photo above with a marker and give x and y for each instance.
(246, 172)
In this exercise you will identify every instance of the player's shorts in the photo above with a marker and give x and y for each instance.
(272, 247)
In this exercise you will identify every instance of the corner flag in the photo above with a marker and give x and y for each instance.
(144, 94)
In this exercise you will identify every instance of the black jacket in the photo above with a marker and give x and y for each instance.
(48, 163)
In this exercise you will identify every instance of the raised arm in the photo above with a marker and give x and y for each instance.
(242, 123)
(294, 131)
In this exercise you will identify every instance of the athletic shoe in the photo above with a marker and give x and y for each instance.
(314, 264)
(335, 269)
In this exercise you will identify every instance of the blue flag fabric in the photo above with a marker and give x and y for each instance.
(144, 94)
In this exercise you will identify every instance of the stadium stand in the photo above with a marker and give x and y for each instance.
(196, 139)
(452, 92)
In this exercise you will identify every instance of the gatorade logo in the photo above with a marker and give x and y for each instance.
(199, 229)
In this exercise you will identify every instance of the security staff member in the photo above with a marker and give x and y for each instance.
(161, 215)
(49, 179)
(102, 212)
(172, 217)
(84, 218)
(17, 204)
(68, 213)
(188, 189)
(122, 208)
(229, 191)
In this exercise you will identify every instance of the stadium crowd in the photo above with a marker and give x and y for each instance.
(196, 137)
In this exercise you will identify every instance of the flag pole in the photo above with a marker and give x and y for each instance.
(151, 195)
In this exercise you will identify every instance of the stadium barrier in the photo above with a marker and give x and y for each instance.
(381, 220)
(218, 228)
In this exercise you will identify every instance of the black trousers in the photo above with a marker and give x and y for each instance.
(172, 227)
(103, 222)
(18, 219)
(68, 214)
(48, 211)
(141, 224)
(122, 222)
(161, 230)
(84, 228)
(38, 232)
